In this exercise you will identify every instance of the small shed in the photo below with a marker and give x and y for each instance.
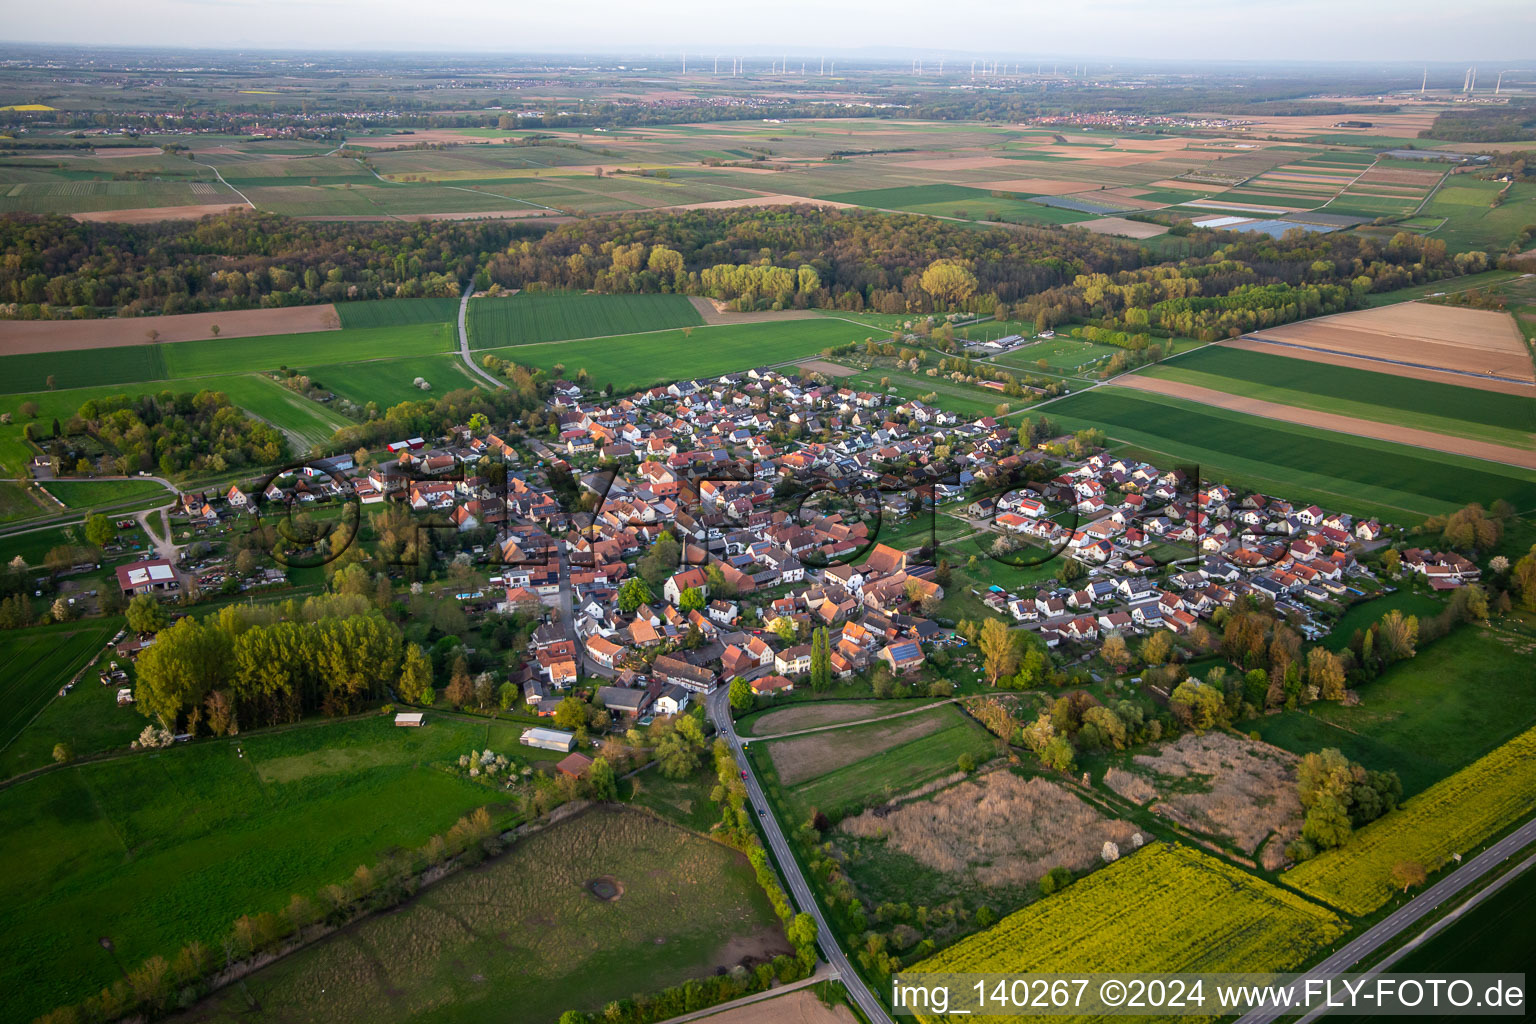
(410, 719)
(574, 765)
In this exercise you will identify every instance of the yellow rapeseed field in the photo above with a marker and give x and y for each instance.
(1164, 908)
(1449, 817)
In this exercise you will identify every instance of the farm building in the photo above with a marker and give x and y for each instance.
(574, 765)
(144, 577)
(410, 719)
(548, 739)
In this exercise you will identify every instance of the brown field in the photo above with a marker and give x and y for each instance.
(150, 214)
(420, 135)
(1401, 177)
(807, 757)
(827, 369)
(775, 200)
(1416, 372)
(1330, 421)
(1121, 226)
(798, 1007)
(809, 716)
(1249, 788)
(20, 336)
(114, 153)
(997, 829)
(1133, 787)
(963, 163)
(1448, 337)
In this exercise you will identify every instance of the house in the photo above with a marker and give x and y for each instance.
(573, 765)
(603, 651)
(624, 700)
(671, 701)
(794, 661)
(903, 656)
(671, 669)
(771, 684)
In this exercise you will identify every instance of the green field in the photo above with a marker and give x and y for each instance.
(523, 930)
(642, 360)
(157, 849)
(1472, 222)
(130, 364)
(397, 312)
(528, 318)
(959, 201)
(1382, 397)
(96, 493)
(88, 718)
(39, 661)
(893, 770)
(1367, 613)
(1427, 717)
(1348, 473)
(966, 400)
(18, 501)
(1452, 284)
(389, 381)
(1063, 355)
(307, 423)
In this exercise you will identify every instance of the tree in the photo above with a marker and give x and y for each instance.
(1391, 560)
(1000, 656)
(633, 593)
(63, 753)
(214, 330)
(571, 713)
(602, 782)
(1114, 652)
(1325, 670)
(461, 688)
(690, 600)
(145, 614)
(821, 660)
(1198, 705)
(949, 282)
(1156, 648)
(186, 662)
(1408, 873)
(415, 676)
(742, 697)
(1397, 634)
(99, 530)
(802, 934)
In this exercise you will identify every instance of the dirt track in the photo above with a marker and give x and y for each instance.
(1330, 421)
(21, 336)
(715, 314)
(798, 1007)
(1376, 366)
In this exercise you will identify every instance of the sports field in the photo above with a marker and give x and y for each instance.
(1206, 915)
(526, 930)
(1351, 474)
(1507, 419)
(162, 848)
(639, 361)
(531, 317)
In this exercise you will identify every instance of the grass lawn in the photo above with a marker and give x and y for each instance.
(18, 501)
(96, 493)
(1364, 394)
(39, 661)
(390, 381)
(524, 930)
(1347, 473)
(642, 360)
(1427, 717)
(88, 719)
(531, 317)
(1366, 613)
(157, 849)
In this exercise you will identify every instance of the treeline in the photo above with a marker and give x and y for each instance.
(802, 256)
(1515, 122)
(1250, 282)
(262, 664)
(54, 267)
(433, 416)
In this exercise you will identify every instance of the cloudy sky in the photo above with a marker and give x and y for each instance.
(1368, 30)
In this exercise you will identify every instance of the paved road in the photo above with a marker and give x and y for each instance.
(718, 704)
(1424, 903)
(469, 360)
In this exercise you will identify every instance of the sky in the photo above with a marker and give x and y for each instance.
(1365, 30)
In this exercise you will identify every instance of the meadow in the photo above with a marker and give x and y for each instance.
(525, 930)
(390, 381)
(531, 317)
(1206, 916)
(156, 849)
(964, 400)
(1348, 473)
(1063, 355)
(1349, 391)
(1452, 816)
(88, 718)
(18, 501)
(96, 493)
(307, 423)
(843, 771)
(1411, 721)
(41, 660)
(639, 361)
(1472, 222)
